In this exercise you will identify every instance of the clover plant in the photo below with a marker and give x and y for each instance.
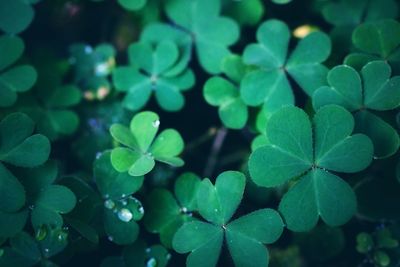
(199, 133)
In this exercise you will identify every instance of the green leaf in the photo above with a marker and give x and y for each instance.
(319, 193)
(252, 231)
(144, 146)
(12, 47)
(380, 37)
(218, 203)
(214, 34)
(168, 143)
(17, 147)
(16, 15)
(57, 198)
(335, 149)
(186, 187)
(144, 127)
(245, 12)
(12, 193)
(118, 231)
(289, 153)
(203, 240)
(12, 223)
(26, 246)
(143, 165)
(112, 183)
(376, 91)
(132, 4)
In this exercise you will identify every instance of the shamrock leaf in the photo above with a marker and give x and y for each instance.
(155, 33)
(50, 109)
(16, 15)
(91, 67)
(346, 15)
(296, 149)
(13, 79)
(217, 204)
(269, 84)
(375, 90)
(149, 71)
(224, 93)
(121, 210)
(211, 34)
(166, 212)
(46, 200)
(132, 4)
(378, 40)
(18, 146)
(142, 147)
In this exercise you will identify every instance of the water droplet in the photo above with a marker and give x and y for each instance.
(109, 204)
(62, 236)
(151, 262)
(106, 196)
(101, 69)
(148, 250)
(125, 215)
(124, 202)
(110, 238)
(190, 214)
(88, 49)
(184, 210)
(216, 210)
(41, 233)
(123, 195)
(141, 210)
(168, 257)
(46, 251)
(156, 123)
(98, 154)
(31, 207)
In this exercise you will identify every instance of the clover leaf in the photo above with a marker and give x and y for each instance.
(372, 90)
(18, 146)
(49, 107)
(217, 204)
(149, 71)
(132, 4)
(155, 33)
(212, 34)
(121, 210)
(17, 79)
(379, 40)
(346, 15)
(166, 212)
(298, 149)
(16, 15)
(224, 93)
(141, 146)
(46, 200)
(269, 84)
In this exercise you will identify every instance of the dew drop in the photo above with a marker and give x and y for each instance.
(184, 210)
(109, 204)
(123, 195)
(216, 210)
(46, 251)
(110, 238)
(151, 262)
(41, 233)
(125, 215)
(168, 257)
(88, 49)
(141, 210)
(156, 123)
(148, 250)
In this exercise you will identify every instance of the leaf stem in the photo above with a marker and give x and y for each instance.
(215, 149)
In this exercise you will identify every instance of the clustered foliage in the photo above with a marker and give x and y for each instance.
(198, 133)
